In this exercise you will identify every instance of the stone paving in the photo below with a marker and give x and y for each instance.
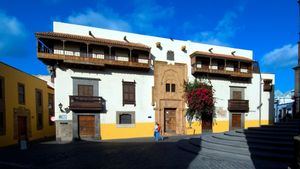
(131, 153)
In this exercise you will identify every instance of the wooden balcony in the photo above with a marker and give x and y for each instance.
(96, 62)
(268, 85)
(91, 52)
(221, 72)
(221, 65)
(238, 105)
(87, 103)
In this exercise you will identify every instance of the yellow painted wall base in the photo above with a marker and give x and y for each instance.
(196, 128)
(111, 131)
(255, 123)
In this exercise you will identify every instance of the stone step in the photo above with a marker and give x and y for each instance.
(259, 136)
(274, 129)
(248, 145)
(186, 146)
(254, 140)
(285, 126)
(268, 133)
(284, 157)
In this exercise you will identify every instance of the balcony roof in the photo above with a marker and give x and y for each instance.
(86, 39)
(222, 56)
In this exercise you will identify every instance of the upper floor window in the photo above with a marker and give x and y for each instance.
(237, 93)
(21, 93)
(1, 88)
(85, 90)
(39, 108)
(2, 107)
(170, 55)
(128, 93)
(170, 87)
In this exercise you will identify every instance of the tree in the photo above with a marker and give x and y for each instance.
(199, 98)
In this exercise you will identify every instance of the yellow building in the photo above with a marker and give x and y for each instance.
(26, 105)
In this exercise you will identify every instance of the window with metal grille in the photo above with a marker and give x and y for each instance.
(125, 119)
(128, 93)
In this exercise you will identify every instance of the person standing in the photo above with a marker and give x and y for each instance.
(157, 130)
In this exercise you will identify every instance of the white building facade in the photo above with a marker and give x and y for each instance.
(111, 84)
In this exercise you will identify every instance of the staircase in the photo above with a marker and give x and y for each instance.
(268, 146)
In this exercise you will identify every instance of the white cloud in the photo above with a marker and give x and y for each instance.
(283, 57)
(145, 18)
(223, 31)
(105, 19)
(12, 36)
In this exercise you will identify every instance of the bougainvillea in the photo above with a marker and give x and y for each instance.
(200, 100)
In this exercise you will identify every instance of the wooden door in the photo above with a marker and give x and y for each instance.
(86, 126)
(85, 90)
(22, 127)
(170, 121)
(236, 121)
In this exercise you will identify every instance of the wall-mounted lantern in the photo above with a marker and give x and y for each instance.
(63, 110)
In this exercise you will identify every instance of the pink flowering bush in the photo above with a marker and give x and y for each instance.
(200, 100)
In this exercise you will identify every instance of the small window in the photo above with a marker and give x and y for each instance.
(125, 119)
(170, 55)
(173, 88)
(21, 93)
(168, 87)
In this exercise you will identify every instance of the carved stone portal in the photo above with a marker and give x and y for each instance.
(170, 96)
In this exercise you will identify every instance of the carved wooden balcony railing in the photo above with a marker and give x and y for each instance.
(238, 105)
(222, 71)
(87, 103)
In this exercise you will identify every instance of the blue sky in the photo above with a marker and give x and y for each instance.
(269, 28)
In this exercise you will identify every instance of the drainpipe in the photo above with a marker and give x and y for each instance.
(260, 93)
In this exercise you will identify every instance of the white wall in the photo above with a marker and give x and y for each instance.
(110, 88)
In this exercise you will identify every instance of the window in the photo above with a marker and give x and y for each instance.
(21, 93)
(2, 123)
(85, 90)
(237, 93)
(173, 88)
(1, 88)
(170, 55)
(170, 87)
(51, 107)
(125, 119)
(128, 93)
(39, 109)
(2, 107)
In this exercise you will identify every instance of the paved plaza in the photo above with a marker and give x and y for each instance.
(131, 153)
